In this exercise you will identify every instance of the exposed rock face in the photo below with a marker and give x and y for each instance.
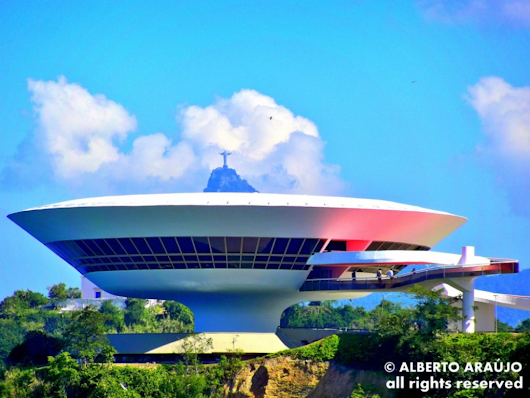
(285, 377)
(224, 179)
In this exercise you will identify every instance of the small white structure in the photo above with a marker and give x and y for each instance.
(89, 290)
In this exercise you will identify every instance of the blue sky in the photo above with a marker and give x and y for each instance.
(139, 97)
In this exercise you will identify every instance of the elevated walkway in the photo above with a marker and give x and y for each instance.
(496, 299)
(424, 276)
(504, 300)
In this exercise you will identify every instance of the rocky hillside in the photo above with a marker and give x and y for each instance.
(285, 377)
(224, 179)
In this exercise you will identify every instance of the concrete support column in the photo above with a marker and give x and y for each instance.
(468, 289)
(468, 323)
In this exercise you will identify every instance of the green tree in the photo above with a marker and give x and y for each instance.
(433, 312)
(59, 292)
(360, 392)
(225, 372)
(178, 312)
(503, 327)
(55, 323)
(19, 383)
(523, 326)
(20, 301)
(35, 349)
(412, 332)
(135, 312)
(11, 334)
(62, 376)
(115, 317)
(190, 348)
(84, 336)
(73, 293)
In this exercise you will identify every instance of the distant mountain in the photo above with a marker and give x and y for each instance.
(224, 179)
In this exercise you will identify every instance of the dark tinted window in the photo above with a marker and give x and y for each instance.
(115, 245)
(308, 246)
(385, 246)
(249, 245)
(84, 248)
(156, 245)
(155, 253)
(171, 245)
(265, 245)
(280, 245)
(336, 245)
(186, 245)
(104, 247)
(141, 245)
(294, 245)
(218, 245)
(319, 245)
(233, 245)
(374, 246)
(128, 246)
(95, 248)
(201, 245)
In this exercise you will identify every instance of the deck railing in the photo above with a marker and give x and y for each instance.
(497, 266)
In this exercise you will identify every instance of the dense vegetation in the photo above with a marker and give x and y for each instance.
(326, 314)
(397, 338)
(32, 326)
(49, 353)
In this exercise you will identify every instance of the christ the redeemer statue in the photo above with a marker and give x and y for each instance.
(225, 154)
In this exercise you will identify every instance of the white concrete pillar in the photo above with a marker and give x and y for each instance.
(468, 254)
(468, 323)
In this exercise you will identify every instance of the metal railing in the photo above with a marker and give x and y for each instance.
(497, 266)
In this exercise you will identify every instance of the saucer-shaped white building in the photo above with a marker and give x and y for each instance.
(236, 259)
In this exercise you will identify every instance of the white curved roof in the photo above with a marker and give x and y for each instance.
(236, 199)
(237, 214)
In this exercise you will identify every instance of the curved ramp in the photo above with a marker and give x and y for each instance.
(503, 300)
(436, 274)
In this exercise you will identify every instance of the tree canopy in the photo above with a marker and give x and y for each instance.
(60, 292)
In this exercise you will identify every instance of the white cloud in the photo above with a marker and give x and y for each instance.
(154, 156)
(84, 136)
(508, 12)
(77, 128)
(273, 148)
(505, 114)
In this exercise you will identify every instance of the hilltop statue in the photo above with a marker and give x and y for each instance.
(224, 179)
(225, 154)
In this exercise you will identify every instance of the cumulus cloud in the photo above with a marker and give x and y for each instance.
(508, 12)
(77, 128)
(505, 114)
(274, 149)
(83, 138)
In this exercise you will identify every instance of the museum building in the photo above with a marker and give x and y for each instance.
(238, 260)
